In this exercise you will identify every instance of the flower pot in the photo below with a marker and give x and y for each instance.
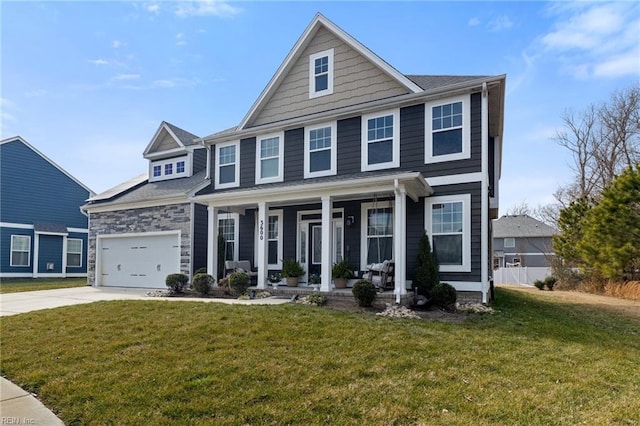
(292, 281)
(340, 282)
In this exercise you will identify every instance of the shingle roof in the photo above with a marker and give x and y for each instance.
(428, 82)
(519, 226)
(185, 137)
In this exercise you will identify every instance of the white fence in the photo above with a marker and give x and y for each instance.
(519, 275)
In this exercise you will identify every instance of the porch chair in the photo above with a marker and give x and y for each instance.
(381, 275)
(239, 266)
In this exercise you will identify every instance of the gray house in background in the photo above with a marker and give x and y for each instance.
(520, 240)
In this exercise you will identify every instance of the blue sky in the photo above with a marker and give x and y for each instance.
(88, 83)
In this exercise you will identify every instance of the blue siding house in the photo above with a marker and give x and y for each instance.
(43, 232)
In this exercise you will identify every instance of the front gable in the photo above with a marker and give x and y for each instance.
(356, 75)
(164, 142)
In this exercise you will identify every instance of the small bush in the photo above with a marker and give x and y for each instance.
(444, 295)
(239, 282)
(202, 283)
(200, 271)
(315, 299)
(550, 281)
(365, 292)
(176, 282)
(539, 284)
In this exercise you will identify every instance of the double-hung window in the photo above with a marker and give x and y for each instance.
(74, 252)
(377, 226)
(274, 244)
(320, 150)
(381, 140)
(321, 73)
(270, 158)
(157, 171)
(448, 223)
(228, 229)
(227, 171)
(20, 250)
(448, 130)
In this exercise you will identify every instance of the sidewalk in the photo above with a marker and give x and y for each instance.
(19, 407)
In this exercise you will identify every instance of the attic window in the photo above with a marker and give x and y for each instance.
(321, 73)
(169, 169)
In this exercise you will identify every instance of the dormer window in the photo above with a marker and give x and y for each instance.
(170, 168)
(157, 171)
(321, 73)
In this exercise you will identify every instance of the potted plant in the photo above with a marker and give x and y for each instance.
(292, 271)
(341, 272)
(274, 279)
(314, 281)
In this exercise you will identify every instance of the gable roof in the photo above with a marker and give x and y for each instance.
(47, 159)
(521, 226)
(430, 82)
(181, 137)
(320, 21)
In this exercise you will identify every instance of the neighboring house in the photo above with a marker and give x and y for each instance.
(43, 231)
(520, 240)
(147, 228)
(343, 156)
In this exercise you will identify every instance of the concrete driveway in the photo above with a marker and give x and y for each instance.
(18, 303)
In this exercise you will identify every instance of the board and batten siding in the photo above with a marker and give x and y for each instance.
(356, 80)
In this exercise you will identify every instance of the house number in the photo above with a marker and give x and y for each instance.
(261, 230)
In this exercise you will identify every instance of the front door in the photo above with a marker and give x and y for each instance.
(315, 248)
(310, 245)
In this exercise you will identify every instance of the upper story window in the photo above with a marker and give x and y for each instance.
(74, 252)
(227, 169)
(170, 168)
(321, 73)
(509, 242)
(20, 250)
(448, 223)
(448, 130)
(381, 140)
(320, 150)
(270, 158)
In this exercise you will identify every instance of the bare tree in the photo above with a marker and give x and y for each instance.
(519, 209)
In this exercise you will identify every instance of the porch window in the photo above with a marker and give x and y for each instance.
(274, 246)
(448, 130)
(320, 151)
(20, 250)
(74, 252)
(449, 226)
(227, 170)
(381, 140)
(228, 229)
(377, 226)
(321, 74)
(269, 158)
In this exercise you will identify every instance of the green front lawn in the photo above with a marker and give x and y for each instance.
(534, 362)
(29, 284)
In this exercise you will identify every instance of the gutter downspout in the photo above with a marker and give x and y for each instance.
(484, 195)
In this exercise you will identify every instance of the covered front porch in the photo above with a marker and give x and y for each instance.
(290, 217)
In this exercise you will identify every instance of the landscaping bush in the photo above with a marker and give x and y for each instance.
(315, 299)
(539, 284)
(176, 282)
(426, 274)
(444, 295)
(200, 271)
(239, 282)
(550, 281)
(202, 283)
(365, 292)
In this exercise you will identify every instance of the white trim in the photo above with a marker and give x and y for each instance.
(333, 154)
(66, 254)
(279, 213)
(174, 168)
(236, 231)
(485, 257)
(364, 236)
(527, 254)
(78, 230)
(466, 228)
(15, 225)
(465, 285)
(158, 202)
(11, 250)
(466, 130)
(455, 179)
(395, 140)
(511, 239)
(313, 93)
(236, 165)
(280, 176)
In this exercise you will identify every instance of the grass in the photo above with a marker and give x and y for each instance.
(30, 284)
(536, 361)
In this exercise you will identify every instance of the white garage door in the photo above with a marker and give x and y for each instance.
(139, 261)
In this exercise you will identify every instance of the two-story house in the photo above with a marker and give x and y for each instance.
(43, 232)
(148, 227)
(343, 156)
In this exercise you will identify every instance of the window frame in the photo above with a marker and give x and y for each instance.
(236, 231)
(465, 199)
(69, 265)
(511, 239)
(364, 219)
(279, 214)
(333, 155)
(465, 152)
(280, 176)
(173, 163)
(313, 93)
(12, 250)
(236, 164)
(395, 140)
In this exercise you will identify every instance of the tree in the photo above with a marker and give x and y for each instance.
(426, 273)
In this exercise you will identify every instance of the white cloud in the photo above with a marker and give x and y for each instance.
(206, 8)
(121, 77)
(116, 44)
(98, 62)
(153, 8)
(180, 41)
(500, 23)
(164, 83)
(621, 65)
(473, 22)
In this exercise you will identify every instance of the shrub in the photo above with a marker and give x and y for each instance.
(202, 283)
(539, 284)
(176, 282)
(200, 271)
(315, 299)
(550, 281)
(444, 295)
(426, 273)
(239, 282)
(365, 292)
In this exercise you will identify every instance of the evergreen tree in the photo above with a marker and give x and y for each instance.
(426, 274)
(570, 224)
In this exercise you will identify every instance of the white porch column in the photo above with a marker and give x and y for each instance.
(400, 241)
(327, 244)
(212, 243)
(64, 256)
(263, 223)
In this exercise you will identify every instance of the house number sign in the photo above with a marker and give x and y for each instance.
(261, 230)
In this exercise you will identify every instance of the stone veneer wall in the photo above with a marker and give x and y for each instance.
(149, 219)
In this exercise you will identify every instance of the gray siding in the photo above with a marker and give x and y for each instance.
(200, 236)
(349, 145)
(199, 160)
(412, 138)
(415, 229)
(246, 248)
(248, 162)
(294, 154)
